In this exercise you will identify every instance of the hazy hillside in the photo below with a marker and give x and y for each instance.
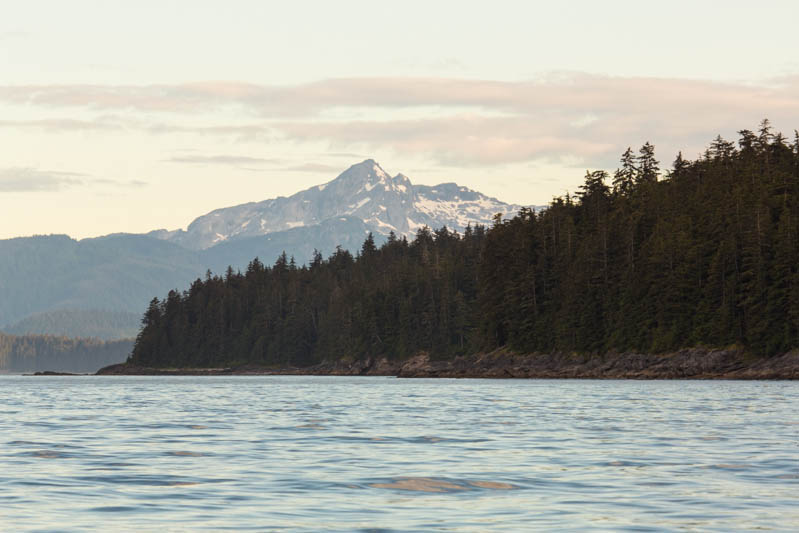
(105, 325)
(117, 272)
(34, 353)
(347, 232)
(42, 276)
(705, 255)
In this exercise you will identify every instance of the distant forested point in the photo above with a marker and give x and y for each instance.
(36, 353)
(704, 254)
(83, 323)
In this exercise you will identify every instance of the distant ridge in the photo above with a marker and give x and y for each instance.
(84, 323)
(44, 275)
(41, 353)
(364, 191)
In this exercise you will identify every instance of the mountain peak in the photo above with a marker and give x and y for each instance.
(364, 191)
(367, 170)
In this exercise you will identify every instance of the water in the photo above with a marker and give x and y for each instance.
(382, 454)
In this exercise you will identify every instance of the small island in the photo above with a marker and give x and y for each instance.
(691, 273)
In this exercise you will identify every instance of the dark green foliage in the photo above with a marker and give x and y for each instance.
(41, 276)
(708, 254)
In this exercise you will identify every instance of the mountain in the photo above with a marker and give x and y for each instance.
(56, 285)
(91, 323)
(364, 191)
(347, 232)
(114, 273)
(701, 264)
(35, 353)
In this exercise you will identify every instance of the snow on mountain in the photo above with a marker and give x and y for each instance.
(123, 272)
(364, 191)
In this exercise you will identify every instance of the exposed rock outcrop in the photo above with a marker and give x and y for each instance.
(693, 363)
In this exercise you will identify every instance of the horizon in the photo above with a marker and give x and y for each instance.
(111, 125)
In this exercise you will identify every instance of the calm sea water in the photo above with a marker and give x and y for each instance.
(382, 454)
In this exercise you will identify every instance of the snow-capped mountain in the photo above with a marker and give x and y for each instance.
(364, 191)
(122, 272)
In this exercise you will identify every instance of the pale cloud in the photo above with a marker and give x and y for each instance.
(563, 118)
(577, 92)
(231, 160)
(13, 35)
(459, 140)
(33, 180)
(159, 98)
(246, 163)
(314, 167)
(116, 183)
(59, 125)
(26, 179)
(345, 155)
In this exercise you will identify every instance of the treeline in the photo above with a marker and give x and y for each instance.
(706, 253)
(34, 353)
(86, 323)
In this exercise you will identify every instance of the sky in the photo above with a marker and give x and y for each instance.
(132, 116)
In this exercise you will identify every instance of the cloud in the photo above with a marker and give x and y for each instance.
(115, 183)
(452, 140)
(313, 167)
(163, 98)
(26, 179)
(13, 35)
(59, 125)
(562, 118)
(246, 163)
(577, 92)
(32, 180)
(345, 155)
(232, 160)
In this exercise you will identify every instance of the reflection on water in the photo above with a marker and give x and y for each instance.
(424, 484)
(381, 454)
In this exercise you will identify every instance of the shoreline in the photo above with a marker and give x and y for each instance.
(694, 363)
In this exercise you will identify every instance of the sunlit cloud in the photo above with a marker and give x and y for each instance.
(314, 167)
(120, 183)
(577, 92)
(26, 179)
(230, 160)
(33, 180)
(561, 118)
(59, 125)
(452, 141)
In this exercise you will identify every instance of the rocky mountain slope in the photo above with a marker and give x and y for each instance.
(63, 278)
(364, 192)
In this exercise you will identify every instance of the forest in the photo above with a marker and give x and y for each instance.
(705, 253)
(84, 323)
(35, 353)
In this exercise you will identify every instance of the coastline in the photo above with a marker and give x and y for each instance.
(693, 363)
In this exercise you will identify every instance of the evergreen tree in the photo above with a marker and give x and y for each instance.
(708, 255)
(624, 177)
(648, 168)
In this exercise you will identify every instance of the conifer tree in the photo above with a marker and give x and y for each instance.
(648, 168)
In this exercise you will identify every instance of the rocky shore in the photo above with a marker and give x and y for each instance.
(694, 363)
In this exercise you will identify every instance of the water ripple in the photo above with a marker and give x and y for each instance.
(379, 454)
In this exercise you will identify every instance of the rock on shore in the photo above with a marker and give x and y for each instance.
(694, 363)
(685, 364)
